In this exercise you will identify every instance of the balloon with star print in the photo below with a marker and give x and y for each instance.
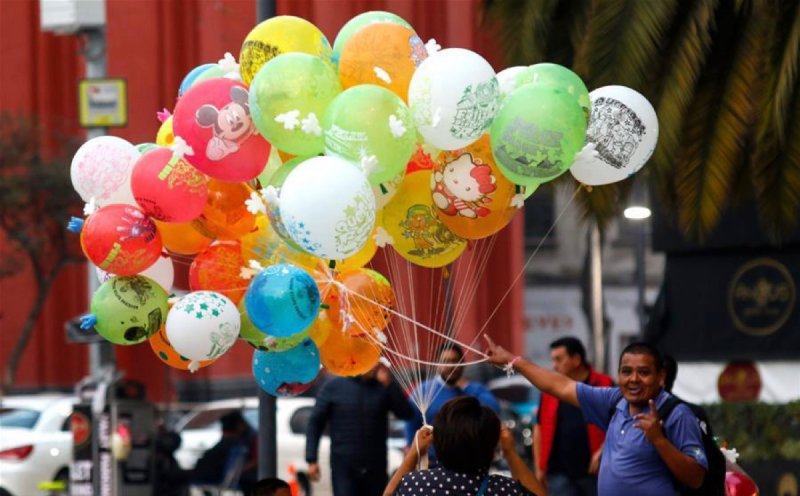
(289, 372)
(203, 325)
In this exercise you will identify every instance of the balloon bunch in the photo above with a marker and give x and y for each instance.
(278, 178)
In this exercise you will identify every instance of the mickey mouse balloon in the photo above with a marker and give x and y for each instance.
(213, 118)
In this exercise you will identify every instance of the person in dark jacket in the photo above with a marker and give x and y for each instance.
(357, 410)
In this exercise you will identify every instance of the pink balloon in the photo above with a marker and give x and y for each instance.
(213, 117)
(101, 169)
(167, 187)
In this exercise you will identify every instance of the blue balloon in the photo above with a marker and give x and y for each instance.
(189, 78)
(287, 373)
(282, 300)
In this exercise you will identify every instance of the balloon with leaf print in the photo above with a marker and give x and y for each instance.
(128, 309)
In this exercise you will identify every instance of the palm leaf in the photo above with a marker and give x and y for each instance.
(719, 128)
(525, 26)
(622, 41)
(775, 158)
(684, 64)
(786, 83)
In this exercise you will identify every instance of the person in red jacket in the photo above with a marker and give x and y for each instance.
(566, 449)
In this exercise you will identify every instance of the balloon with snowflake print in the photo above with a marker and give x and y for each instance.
(328, 207)
(282, 300)
(289, 372)
(128, 309)
(275, 184)
(372, 127)
(101, 169)
(382, 54)
(167, 354)
(121, 239)
(355, 24)
(202, 326)
(263, 245)
(288, 98)
(167, 187)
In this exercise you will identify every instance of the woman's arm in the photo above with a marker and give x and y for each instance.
(519, 470)
(422, 441)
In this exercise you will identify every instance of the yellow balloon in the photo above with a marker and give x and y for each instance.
(165, 136)
(278, 35)
(265, 246)
(411, 220)
(365, 254)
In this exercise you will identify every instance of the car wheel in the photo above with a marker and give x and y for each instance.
(304, 484)
(61, 476)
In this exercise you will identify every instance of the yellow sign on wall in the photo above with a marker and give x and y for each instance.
(103, 102)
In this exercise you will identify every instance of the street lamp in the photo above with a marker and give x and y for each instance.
(638, 212)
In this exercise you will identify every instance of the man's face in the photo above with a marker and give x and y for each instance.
(638, 378)
(450, 374)
(563, 363)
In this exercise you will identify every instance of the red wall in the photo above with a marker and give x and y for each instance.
(152, 44)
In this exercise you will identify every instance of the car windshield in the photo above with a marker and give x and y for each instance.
(18, 417)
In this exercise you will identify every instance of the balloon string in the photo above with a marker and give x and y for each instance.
(530, 258)
(404, 317)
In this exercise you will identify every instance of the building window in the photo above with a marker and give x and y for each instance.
(539, 217)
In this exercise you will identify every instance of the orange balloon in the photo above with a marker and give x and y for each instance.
(347, 356)
(383, 54)
(218, 268)
(472, 197)
(320, 330)
(167, 354)
(366, 303)
(225, 214)
(182, 238)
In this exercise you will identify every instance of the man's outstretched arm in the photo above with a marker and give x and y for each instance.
(560, 386)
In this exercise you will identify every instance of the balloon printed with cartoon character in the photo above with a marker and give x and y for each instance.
(213, 119)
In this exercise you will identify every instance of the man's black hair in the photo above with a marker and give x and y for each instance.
(572, 345)
(231, 421)
(465, 435)
(269, 486)
(642, 348)
(450, 346)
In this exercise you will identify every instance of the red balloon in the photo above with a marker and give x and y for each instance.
(167, 187)
(121, 239)
(218, 269)
(213, 117)
(739, 484)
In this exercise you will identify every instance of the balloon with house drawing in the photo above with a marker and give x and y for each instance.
(621, 137)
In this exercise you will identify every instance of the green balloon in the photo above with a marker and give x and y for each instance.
(264, 342)
(558, 76)
(537, 133)
(273, 163)
(356, 23)
(273, 211)
(287, 99)
(370, 122)
(129, 309)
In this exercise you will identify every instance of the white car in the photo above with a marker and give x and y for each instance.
(200, 429)
(35, 443)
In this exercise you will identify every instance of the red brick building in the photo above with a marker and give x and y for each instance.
(153, 44)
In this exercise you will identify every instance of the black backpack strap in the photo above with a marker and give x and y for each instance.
(669, 405)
